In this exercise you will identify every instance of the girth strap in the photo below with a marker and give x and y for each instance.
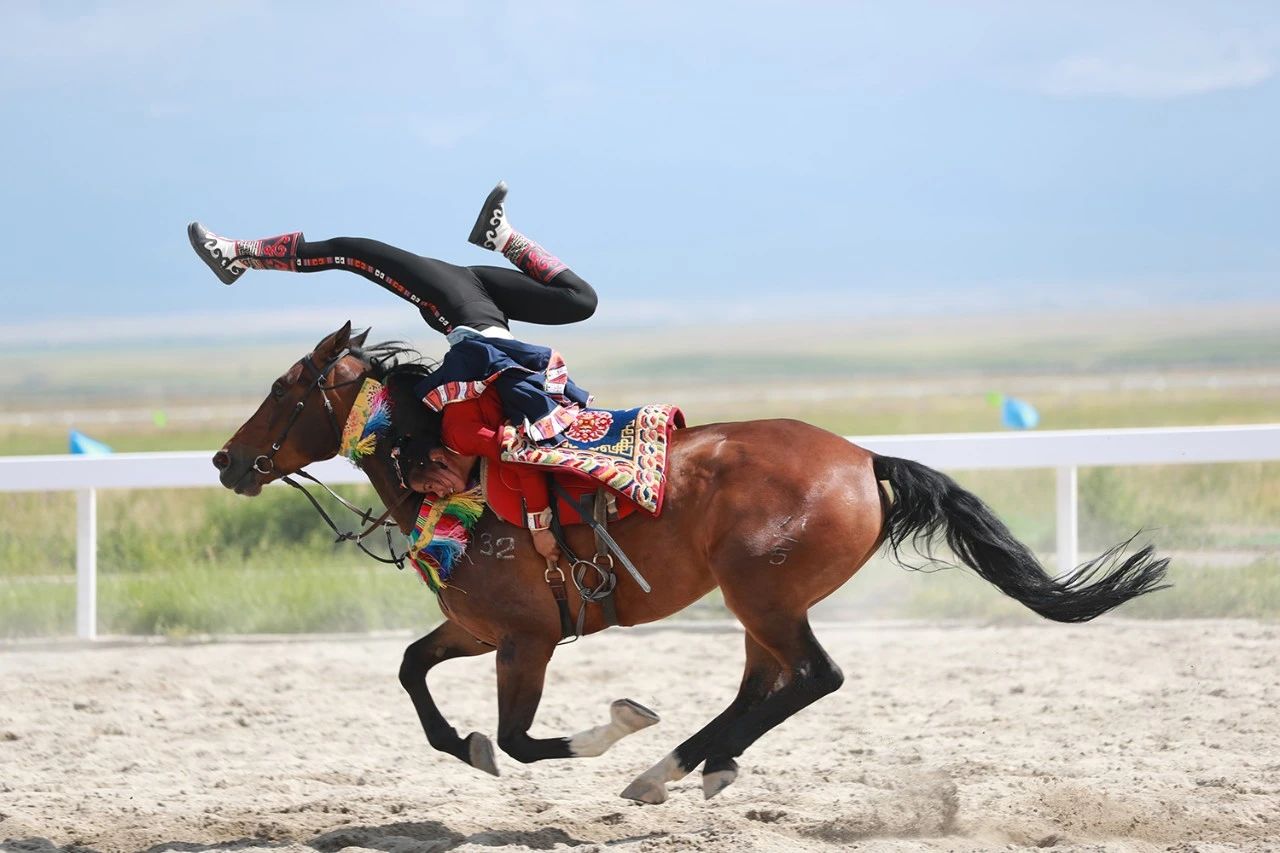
(600, 511)
(597, 591)
(602, 535)
(554, 576)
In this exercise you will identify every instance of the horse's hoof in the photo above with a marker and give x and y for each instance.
(718, 775)
(631, 715)
(644, 790)
(480, 753)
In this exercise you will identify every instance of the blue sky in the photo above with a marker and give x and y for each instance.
(778, 158)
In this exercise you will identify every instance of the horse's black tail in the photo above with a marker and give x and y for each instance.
(926, 502)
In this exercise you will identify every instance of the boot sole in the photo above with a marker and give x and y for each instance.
(496, 196)
(223, 275)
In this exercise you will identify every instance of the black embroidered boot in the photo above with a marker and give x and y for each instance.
(493, 231)
(230, 258)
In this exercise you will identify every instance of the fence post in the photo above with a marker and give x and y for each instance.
(86, 564)
(1068, 540)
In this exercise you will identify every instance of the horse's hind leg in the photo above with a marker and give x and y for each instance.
(522, 667)
(811, 674)
(759, 678)
(445, 642)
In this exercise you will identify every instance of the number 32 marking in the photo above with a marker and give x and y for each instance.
(501, 548)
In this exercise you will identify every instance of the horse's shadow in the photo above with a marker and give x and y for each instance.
(44, 845)
(196, 847)
(426, 836)
(429, 836)
(33, 844)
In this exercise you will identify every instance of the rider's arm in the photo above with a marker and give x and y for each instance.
(465, 430)
(537, 501)
(533, 485)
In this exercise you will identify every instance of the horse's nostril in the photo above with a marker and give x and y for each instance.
(221, 460)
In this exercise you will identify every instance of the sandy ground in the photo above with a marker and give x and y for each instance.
(1119, 735)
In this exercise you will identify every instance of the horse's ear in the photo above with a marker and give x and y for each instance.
(330, 344)
(357, 340)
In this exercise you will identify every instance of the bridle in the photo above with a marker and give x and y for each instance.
(265, 464)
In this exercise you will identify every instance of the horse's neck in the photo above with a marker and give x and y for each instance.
(380, 470)
(381, 474)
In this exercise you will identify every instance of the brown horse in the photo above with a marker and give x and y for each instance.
(778, 514)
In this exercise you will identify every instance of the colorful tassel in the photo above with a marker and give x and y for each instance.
(370, 417)
(442, 534)
(443, 530)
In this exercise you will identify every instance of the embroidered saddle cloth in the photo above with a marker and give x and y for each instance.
(622, 449)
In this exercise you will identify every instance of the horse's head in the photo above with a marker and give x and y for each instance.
(301, 420)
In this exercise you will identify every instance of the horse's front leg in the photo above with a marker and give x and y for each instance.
(522, 668)
(445, 642)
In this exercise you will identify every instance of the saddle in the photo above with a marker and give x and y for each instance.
(608, 464)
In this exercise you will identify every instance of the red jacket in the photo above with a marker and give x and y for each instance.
(473, 428)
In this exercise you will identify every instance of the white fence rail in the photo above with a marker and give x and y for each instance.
(1065, 451)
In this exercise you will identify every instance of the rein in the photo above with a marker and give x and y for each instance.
(383, 521)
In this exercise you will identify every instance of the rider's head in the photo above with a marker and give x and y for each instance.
(441, 473)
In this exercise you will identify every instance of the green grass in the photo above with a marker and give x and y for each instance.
(205, 598)
(941, 410)
(197, 561)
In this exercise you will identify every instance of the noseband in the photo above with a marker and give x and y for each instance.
(266, 463)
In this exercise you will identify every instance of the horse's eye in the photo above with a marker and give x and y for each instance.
(277, 389)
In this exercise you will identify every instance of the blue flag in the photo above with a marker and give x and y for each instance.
(1018, 414)
(83, 445)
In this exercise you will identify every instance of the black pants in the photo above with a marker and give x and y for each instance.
(448, 295)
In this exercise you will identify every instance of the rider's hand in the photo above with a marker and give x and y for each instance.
(443, 473)
(545, 544)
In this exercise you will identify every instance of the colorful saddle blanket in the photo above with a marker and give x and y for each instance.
(623, 449)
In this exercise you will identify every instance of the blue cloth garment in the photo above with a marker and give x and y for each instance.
(519, 372)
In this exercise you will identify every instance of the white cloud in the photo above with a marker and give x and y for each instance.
(1152, 72)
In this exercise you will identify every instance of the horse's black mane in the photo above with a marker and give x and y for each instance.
(394, 358)
(400, 367)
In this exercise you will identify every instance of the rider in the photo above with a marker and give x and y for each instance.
(487, 377)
